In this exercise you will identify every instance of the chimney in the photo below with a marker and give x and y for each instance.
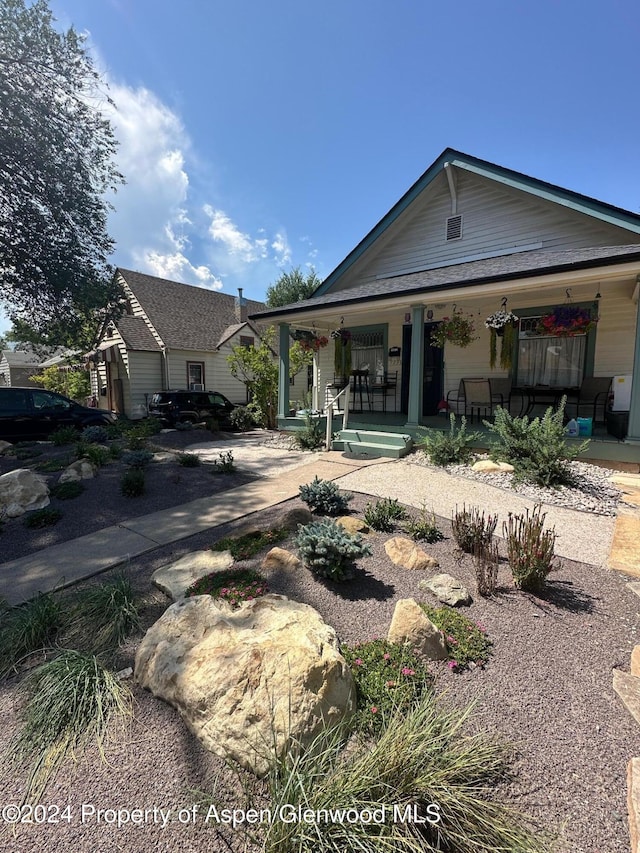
(241, 307)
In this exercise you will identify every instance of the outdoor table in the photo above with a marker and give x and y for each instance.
(360, 387)
(533, 395)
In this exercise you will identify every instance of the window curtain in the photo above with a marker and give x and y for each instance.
(553, 361)
(367, 352)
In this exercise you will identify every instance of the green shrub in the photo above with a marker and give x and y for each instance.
(64, 435)
(137, 458)
(329, 550)
(28, 628)
(312, 434)
(224, 463)
(247, 546)
(46, 517)
(115, 450)
(132, 483)
(389, 677)
(423, 526)
(234, 587)
(183, 426)
(66, 491)
(537, 449)
(382, 515)
(26, 451)
(324, 496)
(242, 418)
(97, 455)
(95, 434)
(467, 641)
(103, 616)
(471, 530)
(188, 460)
(429, 758)
(71, 701)
(530, 548)
(51, 466)
(212, 424)
(450, 448)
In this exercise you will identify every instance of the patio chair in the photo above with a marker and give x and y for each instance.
(383, 387)
(478, 397)
(502, 392)
(593, 395)
(457, 399)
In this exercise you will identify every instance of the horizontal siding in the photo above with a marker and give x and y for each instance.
(495, 219)
(145, 379)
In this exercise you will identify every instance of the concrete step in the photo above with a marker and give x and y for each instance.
(391, 445)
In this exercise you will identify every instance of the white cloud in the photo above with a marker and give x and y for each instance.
(224, 231)
(178, 268)
(282, 249)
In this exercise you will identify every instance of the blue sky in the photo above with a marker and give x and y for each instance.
(259, 136)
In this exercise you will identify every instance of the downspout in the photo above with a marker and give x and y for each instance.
(165, 372)
(448, 170)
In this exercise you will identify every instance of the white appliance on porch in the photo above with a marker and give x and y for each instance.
(621, 393)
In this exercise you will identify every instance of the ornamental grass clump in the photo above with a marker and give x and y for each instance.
(67, 491)
(389, 677)
(424, 526)
(467, 641)
(323, 496)
(40, 518)
(471, 530)
(188, 460)
(329, 550)
(426, 761)
(71, 702)
(383, 514)
(28, 628)
(530, 549)
(64, 435)
(452, 448)
(249, 544)
(537, 449)
(132, 483)
(234, 587)
(103, 616)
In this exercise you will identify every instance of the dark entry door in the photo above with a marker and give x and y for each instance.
(432, 374)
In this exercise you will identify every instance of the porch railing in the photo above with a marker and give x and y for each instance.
(331, 401)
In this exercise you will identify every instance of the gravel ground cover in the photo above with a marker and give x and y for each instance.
(547, 689)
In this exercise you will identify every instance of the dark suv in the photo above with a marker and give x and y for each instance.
(33, 413)
(180, 406)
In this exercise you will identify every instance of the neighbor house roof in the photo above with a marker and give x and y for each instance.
(136, 334)
(230, 331)
(505, 267)
(186, 317)
(20, 358)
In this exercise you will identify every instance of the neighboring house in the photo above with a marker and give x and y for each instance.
(171, 336)
(466, 236)
(16, 366)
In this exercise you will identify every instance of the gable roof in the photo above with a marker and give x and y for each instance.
(184, 316)
(503, 268)
(233, 330)
(136, 335)
(551, 192)
(20, 358)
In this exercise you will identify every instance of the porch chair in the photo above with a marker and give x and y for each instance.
(592, 395)
(478, 397)
(502, 392)
(387, 383)
(457, 399)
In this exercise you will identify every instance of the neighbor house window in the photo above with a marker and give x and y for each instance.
(195, 375)
(549, 359)
(246, 341)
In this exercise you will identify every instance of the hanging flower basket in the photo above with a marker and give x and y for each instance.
(457, 330)
(501, 324)
(342, 353)
(566, 321)
(309, 341)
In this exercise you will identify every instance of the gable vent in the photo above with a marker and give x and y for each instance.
(454, 227)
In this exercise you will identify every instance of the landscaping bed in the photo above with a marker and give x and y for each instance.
(547, 689)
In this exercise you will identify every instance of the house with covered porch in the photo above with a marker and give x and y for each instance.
(470, 239)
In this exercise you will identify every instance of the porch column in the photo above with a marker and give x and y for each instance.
(633, 433)
(283, 373)
(417, 366)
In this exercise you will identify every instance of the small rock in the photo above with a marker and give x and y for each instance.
(446, 589)
(352, 524)
(291, 519)
(279, 559)
(82, 469)
(22, 491)
(488, 465)
(411, 626)
(406, 554)
(175, 578)
(4, 446)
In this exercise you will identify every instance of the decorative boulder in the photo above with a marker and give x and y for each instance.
(176, 578)
(279, 559)
(81, 469)
(293, 517)
(249, 683)
(411, 626)
(21, 491)
(4, 446)
(352, 524)
(489, 466)
(446, 589)
(406, 554)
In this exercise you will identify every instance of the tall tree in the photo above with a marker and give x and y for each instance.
(292, 287)
(56, 165)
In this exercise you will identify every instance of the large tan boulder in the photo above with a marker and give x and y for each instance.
(411, 626)
(21, 491)
(488, 466)
(293, 517)
(406, 554)
(279, 559)
(175, 578)
(249, 683)
(81, 469)
(352, 524)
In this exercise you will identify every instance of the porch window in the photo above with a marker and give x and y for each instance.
(549, 359)
(368, 351)
(195, 375)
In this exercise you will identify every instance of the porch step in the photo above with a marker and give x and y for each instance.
(391, 444)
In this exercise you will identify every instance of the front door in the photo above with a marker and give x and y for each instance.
(432, 373)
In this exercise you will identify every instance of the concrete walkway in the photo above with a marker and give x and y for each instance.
(597, 540)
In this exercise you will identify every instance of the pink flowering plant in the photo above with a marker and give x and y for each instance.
(458, 330)
(234, 587)
(388, 677)
(467, 641)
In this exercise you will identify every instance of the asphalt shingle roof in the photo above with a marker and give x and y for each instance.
(185, 317)
(136, 335)
(518, 265)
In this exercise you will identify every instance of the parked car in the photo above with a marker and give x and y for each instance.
(179, 406)
(32, 413)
